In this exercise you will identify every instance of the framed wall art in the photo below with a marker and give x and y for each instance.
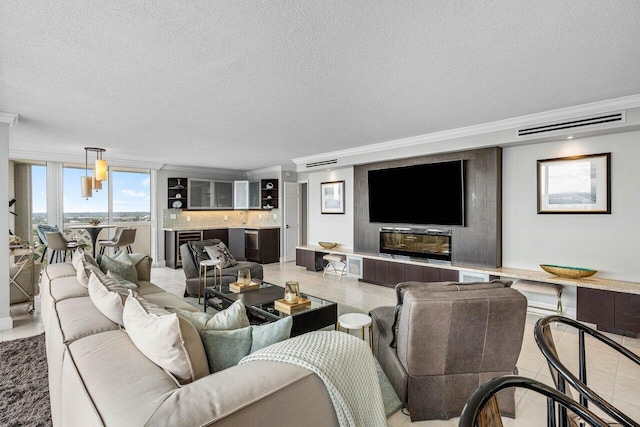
(575, 185)
(332, 197)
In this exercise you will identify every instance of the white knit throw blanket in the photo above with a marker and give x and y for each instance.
(346, 366)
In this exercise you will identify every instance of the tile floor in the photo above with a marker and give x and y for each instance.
(613, 377)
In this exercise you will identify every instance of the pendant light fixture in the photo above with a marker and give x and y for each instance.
(90, 183)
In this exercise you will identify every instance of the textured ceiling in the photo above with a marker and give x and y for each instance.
(253, 84)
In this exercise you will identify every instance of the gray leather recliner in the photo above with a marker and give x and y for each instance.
(443, 340)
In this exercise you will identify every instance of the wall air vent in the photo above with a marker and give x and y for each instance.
(322, 163)
(576, 124)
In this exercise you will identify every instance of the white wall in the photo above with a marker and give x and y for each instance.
(330, 228)
(607, 243)
(5, 315)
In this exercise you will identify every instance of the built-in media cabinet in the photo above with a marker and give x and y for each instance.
(615, 312)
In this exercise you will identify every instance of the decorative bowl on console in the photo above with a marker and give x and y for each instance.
(94, 222)
(568, 272)
(328, 245)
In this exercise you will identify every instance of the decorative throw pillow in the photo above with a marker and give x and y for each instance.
(108, 296)
(226, 348)
(120, 264)
(84, 272)
(80, 255)
(270, 333)
(233, 317)
(221, 252)
(121, 281)
(165, 338)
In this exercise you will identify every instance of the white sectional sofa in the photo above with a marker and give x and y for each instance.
(98, 377)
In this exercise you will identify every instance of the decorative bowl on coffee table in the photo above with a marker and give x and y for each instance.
(568, 272)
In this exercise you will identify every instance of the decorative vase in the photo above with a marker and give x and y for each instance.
(292, 292)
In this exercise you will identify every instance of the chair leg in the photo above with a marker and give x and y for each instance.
(129, 249)
(102, 250)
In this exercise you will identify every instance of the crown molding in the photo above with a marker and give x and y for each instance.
(271, 169)
(8, 118)
(204, 170)
(78, 159)
(632, 101)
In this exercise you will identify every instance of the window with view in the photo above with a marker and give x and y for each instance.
(38, 195)
(131, 196)
(80, 210)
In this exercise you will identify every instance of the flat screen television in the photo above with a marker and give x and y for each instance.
(430, 194)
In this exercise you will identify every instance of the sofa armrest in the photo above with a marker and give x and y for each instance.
(243, 394)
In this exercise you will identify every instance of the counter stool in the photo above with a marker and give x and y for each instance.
(332, 261)
(356, 321)
(541, 288)
(202, 274)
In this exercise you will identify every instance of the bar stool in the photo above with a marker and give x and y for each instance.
(332, 261)
(202, 274)
(356, 321)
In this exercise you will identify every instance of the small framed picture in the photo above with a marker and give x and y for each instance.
(332, 197)
(575, 185)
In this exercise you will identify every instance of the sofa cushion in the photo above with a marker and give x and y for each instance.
(221, 253)
(166, 339)
(167, 299)
(59, 269)
(121, 264)
(145, 288)
(84, 271)
(125, 387)
(66, 287)
(233, 317)
(108, 296)
(79, 317)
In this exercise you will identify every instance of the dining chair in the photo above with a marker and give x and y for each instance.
(482, 409)
(123, 237)
(564, 377)
(60, 246)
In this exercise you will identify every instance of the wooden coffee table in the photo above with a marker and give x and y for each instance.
(260, 307)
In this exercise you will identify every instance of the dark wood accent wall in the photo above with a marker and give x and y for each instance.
(479, 242)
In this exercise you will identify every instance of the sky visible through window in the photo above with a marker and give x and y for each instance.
(131, 195)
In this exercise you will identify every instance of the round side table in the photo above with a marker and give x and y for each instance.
(356, 321)
(202, 274)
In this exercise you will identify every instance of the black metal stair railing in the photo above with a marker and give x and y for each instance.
(471, 413)
(562, 375)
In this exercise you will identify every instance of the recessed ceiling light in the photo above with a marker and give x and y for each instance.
(569, 137)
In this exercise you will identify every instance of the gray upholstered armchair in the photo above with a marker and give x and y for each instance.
(443, 340)
(193, 252)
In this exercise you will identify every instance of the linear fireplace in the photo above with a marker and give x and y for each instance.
(416, 242)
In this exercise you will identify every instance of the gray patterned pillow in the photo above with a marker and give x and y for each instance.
(221, 252)
(121, 264)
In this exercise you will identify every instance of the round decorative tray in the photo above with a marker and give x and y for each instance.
(177, 204)
(328, 245)
(568, 272)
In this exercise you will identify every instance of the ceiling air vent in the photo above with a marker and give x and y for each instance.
(322, 163)
(579, 123)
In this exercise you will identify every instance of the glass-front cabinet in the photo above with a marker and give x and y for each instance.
(209, 194)
(241, 195)
(222, 195)
(200, 191)
(254, 195)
